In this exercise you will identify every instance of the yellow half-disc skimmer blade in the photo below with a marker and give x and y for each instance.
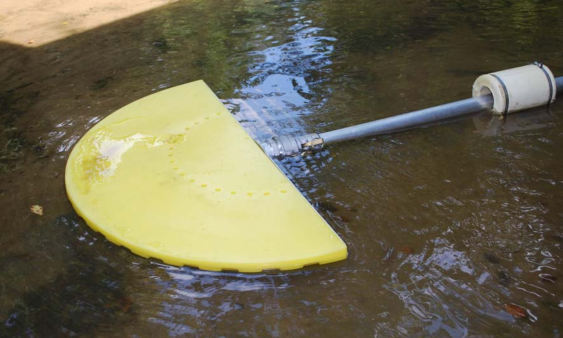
(175, 177)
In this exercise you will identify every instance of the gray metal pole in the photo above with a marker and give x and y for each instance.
(294, 145)
(409, 120)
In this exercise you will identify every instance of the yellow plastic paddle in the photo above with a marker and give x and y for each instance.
(175, 177)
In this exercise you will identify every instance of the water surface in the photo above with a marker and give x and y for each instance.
(445, 225)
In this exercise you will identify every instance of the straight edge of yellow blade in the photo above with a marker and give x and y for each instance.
(322, 259)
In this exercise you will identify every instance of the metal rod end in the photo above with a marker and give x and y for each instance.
(282, 146)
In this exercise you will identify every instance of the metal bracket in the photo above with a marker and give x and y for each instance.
(292, 145)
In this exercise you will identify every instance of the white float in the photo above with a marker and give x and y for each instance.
(517, 88)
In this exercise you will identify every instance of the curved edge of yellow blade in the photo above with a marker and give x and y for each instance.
(322, 259)
(331, 253)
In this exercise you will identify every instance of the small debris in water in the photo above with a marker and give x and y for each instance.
(326, 206)
(407, 250)
(161, 44)
(125, 303)
(516, 311)
(101, 83)
(504, 278)
(37, 209)
(491, 258)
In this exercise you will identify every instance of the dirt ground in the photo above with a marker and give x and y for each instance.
(37, 22)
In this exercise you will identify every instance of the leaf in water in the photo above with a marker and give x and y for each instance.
(407, 250)
(126, 303)
(545, 277)
(37, 209)
(516, 311)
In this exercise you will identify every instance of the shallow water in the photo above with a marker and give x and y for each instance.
(444, 225)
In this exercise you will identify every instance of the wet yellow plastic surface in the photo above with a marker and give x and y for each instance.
(175, 177)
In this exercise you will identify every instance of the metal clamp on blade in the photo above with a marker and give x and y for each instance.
(292, 145)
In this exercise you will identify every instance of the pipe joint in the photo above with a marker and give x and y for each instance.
(283, 146)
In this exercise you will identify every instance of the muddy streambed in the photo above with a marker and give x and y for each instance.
(452, 230)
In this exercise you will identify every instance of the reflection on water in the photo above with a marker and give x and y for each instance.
(277, 91)
(539, 118)
(447, 227)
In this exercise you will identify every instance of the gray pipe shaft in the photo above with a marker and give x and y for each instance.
(293, 145)
(410, 120)
(416, 118)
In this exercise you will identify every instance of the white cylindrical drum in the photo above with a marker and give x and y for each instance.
(517, 88)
